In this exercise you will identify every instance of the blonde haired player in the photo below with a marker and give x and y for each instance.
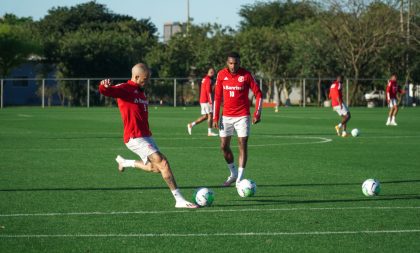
(133, 106)
(339, 106)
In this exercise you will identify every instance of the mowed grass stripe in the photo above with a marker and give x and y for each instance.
(215, 211)
(311, 233)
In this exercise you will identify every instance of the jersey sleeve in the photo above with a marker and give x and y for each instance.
(218, 93)
(116, 91)
(258, 96)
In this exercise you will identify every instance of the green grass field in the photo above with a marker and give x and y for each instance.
(60, 190)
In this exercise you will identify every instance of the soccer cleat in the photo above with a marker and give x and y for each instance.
(185, 204)
(189, 129)
(120, 162)
(337, 129)
(393, 123)
(212, 134)
(344, 134)
(388, 123)
(229, 181)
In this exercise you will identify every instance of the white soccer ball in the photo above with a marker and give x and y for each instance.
(355, 132)
(203, 196)
(246, 188)
(371, 187)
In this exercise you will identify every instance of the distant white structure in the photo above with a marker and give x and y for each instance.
(170, 29)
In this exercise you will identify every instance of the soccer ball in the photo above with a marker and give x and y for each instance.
(203, 196)
(246, 188)
(371, 187)
(355, 132)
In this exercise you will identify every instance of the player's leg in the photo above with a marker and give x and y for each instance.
(345, 119)
(226, 132)
(159, 161)
(242, 128)
(197, 121)
(394, 115)
(138, 164)
(339, 125)
(391, 112)
(210, 124)
(243, 156)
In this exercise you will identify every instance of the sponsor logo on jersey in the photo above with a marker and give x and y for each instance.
(227, 87)
(241, 79)
(140, 101)
(226, 78)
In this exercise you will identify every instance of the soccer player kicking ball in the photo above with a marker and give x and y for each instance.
(133, 106)
(206, 104)
(232, 87)
(339, 106)
(391, 97)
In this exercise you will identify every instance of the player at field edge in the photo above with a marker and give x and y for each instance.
(206, 104)
(133, 106)
(232, 87)
(339, 106)
(391, 97)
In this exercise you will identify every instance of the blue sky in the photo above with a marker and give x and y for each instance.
(224, 12)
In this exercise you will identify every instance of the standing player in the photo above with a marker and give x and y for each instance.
(133, 106)
(205, 103)
(391, 97)
(339, 106)
(232, 87)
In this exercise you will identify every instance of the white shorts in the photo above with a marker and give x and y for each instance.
(341, 110)
(206, 108)
(238, 124)
(392, 102)
(143, 147)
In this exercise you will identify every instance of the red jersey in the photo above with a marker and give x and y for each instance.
(336, 95)
(205, 93)
(392, 89)
(133, 104)
(234, 90)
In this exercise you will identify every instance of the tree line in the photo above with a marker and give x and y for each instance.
(278, 39)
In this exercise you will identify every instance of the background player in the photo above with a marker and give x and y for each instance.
(339, 106)
(206, 104)
(133, 106)
(391, 97)
(232, 87)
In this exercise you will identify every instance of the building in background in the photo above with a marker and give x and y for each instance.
(171, 28)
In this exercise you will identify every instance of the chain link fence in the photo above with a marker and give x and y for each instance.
(83, 92)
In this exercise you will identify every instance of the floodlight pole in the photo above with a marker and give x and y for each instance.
(88, 93)
(43, 93)
(1, 94)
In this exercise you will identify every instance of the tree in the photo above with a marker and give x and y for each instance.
(360, 33)
(15, 44)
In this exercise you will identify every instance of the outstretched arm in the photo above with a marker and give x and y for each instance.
(106, 89)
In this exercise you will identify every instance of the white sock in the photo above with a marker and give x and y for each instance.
(209, 130)
(240, 174)
(128, 163)
(393, 119)
(340, 125)
(192, 124)
(389, 119)
(232, 168)
(177, 195)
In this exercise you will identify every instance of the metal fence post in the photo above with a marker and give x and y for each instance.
(347, 91)
(88, 93)
(1, 94)
(174, 92)
(304, 92)
(43, 93)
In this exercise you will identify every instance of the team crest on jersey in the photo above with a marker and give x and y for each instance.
(241, 79)
(136, 92)
(226, 78)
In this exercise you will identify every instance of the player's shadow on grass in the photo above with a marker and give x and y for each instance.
(134, 188)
